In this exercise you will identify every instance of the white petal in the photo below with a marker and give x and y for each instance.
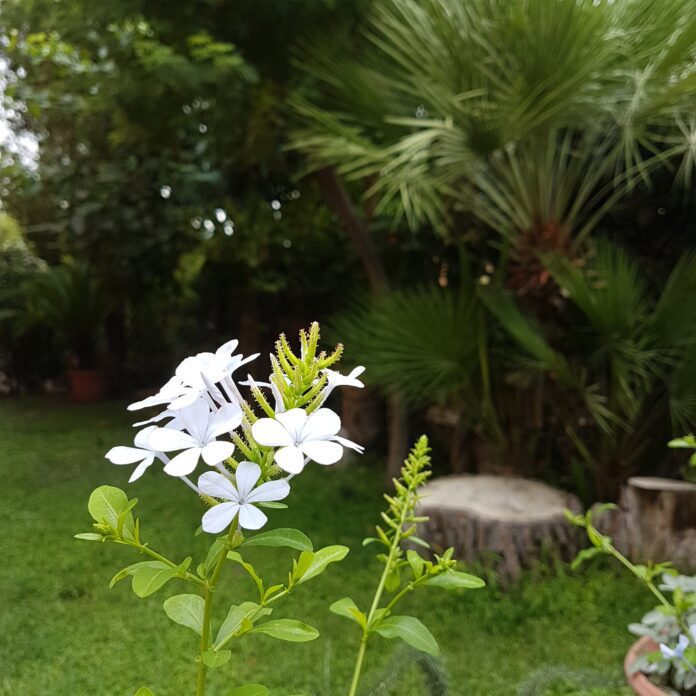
(227, 349)
(247, 475)
(270, 433)
(157, 419)
(217, 451)
(184, 462)
(126, 455)
(219, 517)
(142, 438)
(323, 451)
(349, 443)
(237, 361)
(293, 421)
(170, 440)
(269, 491)
(278, 398)
(141, 468)
(227, 419)
(251, 517)
(196, 418)
(189, 371)
(168, 392)
(188, 398)
(290, 459)
(217, 485)
(321, 425)
(666, 651)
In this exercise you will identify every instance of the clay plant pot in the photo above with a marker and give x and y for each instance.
(87, 386)
(638, 681)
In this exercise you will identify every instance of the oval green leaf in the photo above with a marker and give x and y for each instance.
(455, 580)
(148, 579)
(289, 538)
(411, 631)
(215, 659)
(187, 610)
(106, 503)
(288, 629)
(321, 559)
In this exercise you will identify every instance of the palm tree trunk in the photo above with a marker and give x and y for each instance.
(357, 228)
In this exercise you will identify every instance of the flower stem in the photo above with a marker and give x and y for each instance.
(210, 588)
(396, 541)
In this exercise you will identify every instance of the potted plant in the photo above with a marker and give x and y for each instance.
(70, 301)
(663, 661)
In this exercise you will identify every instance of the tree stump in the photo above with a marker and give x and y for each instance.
(516, 520)
(655, 521)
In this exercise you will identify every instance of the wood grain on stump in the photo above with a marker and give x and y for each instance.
(655, 521)
(516, 519)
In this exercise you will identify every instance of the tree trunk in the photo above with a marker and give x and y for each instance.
(512, 521)
(357, 228)
(655, 521)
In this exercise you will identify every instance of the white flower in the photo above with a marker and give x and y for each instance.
(678, 652)
(241, 498)
(203, 427)
(336, 379)
(299, 435)
(197, 375)
(141, 453)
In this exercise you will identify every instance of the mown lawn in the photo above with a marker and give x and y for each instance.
(64, 633)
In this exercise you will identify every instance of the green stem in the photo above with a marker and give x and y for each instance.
(660, 597)
(153, 554)
(380, 590)
(210, 588)
(358, 665)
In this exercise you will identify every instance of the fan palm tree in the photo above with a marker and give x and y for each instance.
(628, 368)
(533, 116)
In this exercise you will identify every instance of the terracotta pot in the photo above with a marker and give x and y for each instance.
(638, 681)
(87, 386)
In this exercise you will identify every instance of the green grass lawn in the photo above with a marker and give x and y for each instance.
(64, 633)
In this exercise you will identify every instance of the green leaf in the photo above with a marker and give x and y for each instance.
(187, 610)
(106, 503)
(90, 536)
(272, 505)
(144, 691)
(249, 690)
(121, 575)
(585, 555)
(237, 558)
(288, 629)
(411, 631)
(215, 659)
(235, 616)
(214, 553)
(416, 562)
(290, 538)
(455, 580)
(393, 581)
(321, 559)
(147, 579)
(348, 608)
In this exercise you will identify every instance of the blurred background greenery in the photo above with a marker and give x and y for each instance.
(490, 202)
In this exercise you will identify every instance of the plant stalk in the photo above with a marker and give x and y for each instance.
(210, 588)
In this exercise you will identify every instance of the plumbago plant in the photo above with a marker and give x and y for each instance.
(404, 569)
(671, 624)
(251, 460)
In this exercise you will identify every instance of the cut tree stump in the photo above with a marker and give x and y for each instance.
(516, 520)
(655, 521)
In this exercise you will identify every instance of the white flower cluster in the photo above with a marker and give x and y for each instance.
(203, 403)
